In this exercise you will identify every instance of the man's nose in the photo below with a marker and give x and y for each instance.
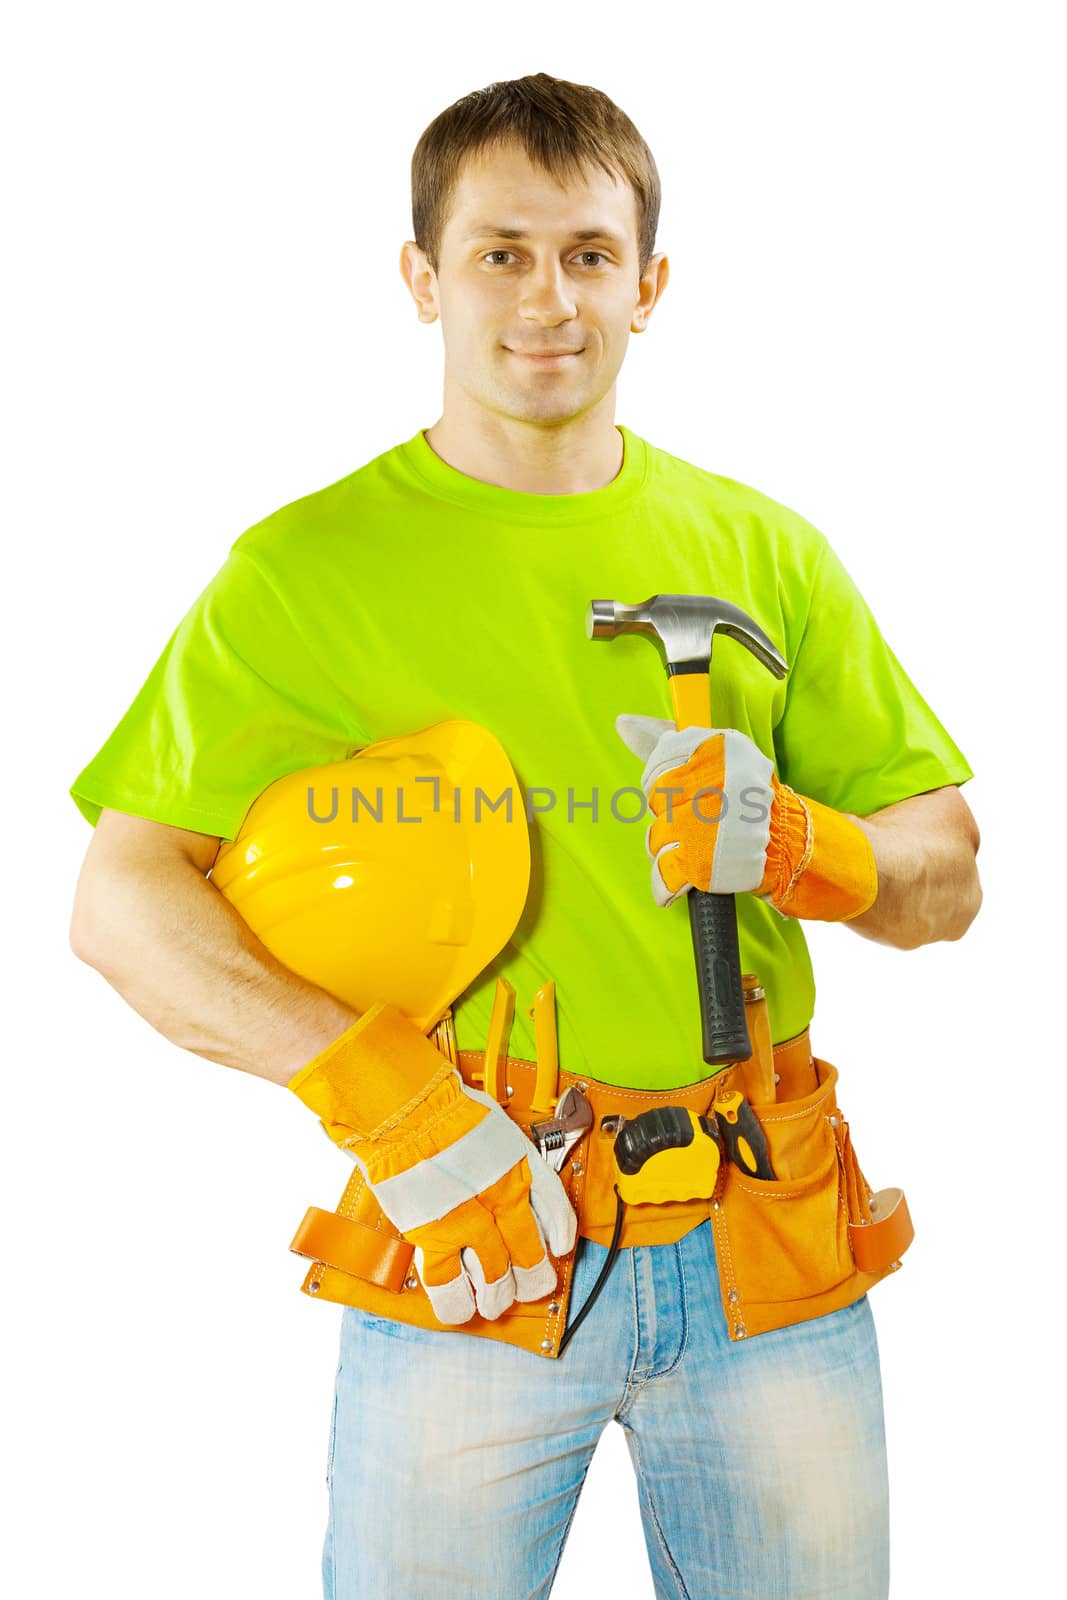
(546, 295)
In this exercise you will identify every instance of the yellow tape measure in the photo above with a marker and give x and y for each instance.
(666, 1153)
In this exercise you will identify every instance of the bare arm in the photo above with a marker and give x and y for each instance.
(928, 887)
(147, 917)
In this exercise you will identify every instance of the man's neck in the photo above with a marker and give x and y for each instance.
(573, 458)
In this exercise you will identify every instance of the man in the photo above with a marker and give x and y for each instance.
(449, 578)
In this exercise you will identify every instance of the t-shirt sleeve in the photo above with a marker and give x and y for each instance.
(856, 734)
(237, 698)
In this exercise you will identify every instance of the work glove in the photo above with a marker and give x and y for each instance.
(445, 1162)
(748, 831)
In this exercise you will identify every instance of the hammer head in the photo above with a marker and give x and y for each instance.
(684, 625)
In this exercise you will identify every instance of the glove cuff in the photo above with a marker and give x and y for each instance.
(826, 866)
(372, 1078)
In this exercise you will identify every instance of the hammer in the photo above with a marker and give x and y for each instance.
(684, 626)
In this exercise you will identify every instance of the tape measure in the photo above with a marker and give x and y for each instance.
(667, 1153)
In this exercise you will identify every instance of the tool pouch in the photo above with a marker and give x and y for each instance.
(814, 1238)
(807, 1243)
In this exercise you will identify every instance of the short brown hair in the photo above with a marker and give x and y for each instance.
(561, 126)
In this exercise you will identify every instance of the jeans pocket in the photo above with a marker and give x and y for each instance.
(394, 1328)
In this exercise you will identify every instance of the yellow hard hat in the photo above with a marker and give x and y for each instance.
(395, 875)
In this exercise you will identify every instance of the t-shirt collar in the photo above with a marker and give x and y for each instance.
(517, 505)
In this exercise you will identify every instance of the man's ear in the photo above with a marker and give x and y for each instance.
(421, 280)
(653, 281)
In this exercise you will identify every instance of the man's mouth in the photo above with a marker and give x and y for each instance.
(550, 358)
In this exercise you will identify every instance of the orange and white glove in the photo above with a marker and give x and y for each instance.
(725, 823)
(447, 1165)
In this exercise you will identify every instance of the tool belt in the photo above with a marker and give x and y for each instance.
(807, 1243)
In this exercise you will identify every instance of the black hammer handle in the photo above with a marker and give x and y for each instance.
(713, 919)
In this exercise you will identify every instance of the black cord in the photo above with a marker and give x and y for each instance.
(605, 1269)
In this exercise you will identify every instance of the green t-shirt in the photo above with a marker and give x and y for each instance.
(408, 592)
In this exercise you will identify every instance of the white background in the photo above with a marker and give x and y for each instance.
(205, 320)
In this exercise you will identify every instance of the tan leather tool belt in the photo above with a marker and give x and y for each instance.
(813, 1240)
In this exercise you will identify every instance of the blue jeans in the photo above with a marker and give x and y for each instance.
(455, 1462)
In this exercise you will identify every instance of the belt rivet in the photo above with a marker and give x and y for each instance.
(553, 1306)
(582, 1086)
(740, 1330)
(411, 1283)
(732, 1295)
(313, 1288)
(577, 1168)
(546, 1344)
(715, 1205)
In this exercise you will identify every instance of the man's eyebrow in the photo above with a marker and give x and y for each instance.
(483, 230)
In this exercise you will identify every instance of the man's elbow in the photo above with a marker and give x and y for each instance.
(967, 908)
(967, 898)
(88, 937)
(103, 915)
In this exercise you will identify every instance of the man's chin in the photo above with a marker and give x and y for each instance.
(546, 409)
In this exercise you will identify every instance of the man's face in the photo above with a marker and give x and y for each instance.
(536, 327)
